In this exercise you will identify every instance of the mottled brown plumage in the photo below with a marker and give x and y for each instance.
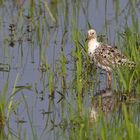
(110, 57)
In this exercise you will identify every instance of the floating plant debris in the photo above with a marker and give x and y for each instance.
(4, 67)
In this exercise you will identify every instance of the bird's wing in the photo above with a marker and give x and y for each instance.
(110, 57)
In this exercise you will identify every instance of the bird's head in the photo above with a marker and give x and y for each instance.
(91, 35)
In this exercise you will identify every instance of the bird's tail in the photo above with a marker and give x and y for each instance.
(128, 63)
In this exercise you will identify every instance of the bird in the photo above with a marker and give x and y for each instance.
(105, 56)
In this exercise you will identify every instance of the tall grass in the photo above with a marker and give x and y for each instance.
(122, 124)
(3, 111)
(128, 77)
(68, 81)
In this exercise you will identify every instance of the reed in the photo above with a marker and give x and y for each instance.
(65, 78)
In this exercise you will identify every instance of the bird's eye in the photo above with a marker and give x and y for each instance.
(92, 33)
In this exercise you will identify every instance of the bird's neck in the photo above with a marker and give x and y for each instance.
(92, 45)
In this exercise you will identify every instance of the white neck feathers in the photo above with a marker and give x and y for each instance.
(92, 45)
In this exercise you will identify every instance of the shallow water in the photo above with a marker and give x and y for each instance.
(48, 98)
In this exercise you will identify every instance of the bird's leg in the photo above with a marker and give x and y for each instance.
(109, 79)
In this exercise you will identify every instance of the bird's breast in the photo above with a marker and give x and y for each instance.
(91, 49)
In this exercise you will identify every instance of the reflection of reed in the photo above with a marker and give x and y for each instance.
(12, 29)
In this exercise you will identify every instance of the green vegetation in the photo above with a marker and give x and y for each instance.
(51, 96)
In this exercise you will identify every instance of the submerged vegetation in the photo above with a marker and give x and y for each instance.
(48, 83)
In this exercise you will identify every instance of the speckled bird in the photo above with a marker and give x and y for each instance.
(105, 56)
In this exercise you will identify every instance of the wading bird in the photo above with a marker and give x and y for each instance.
(105, 56)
